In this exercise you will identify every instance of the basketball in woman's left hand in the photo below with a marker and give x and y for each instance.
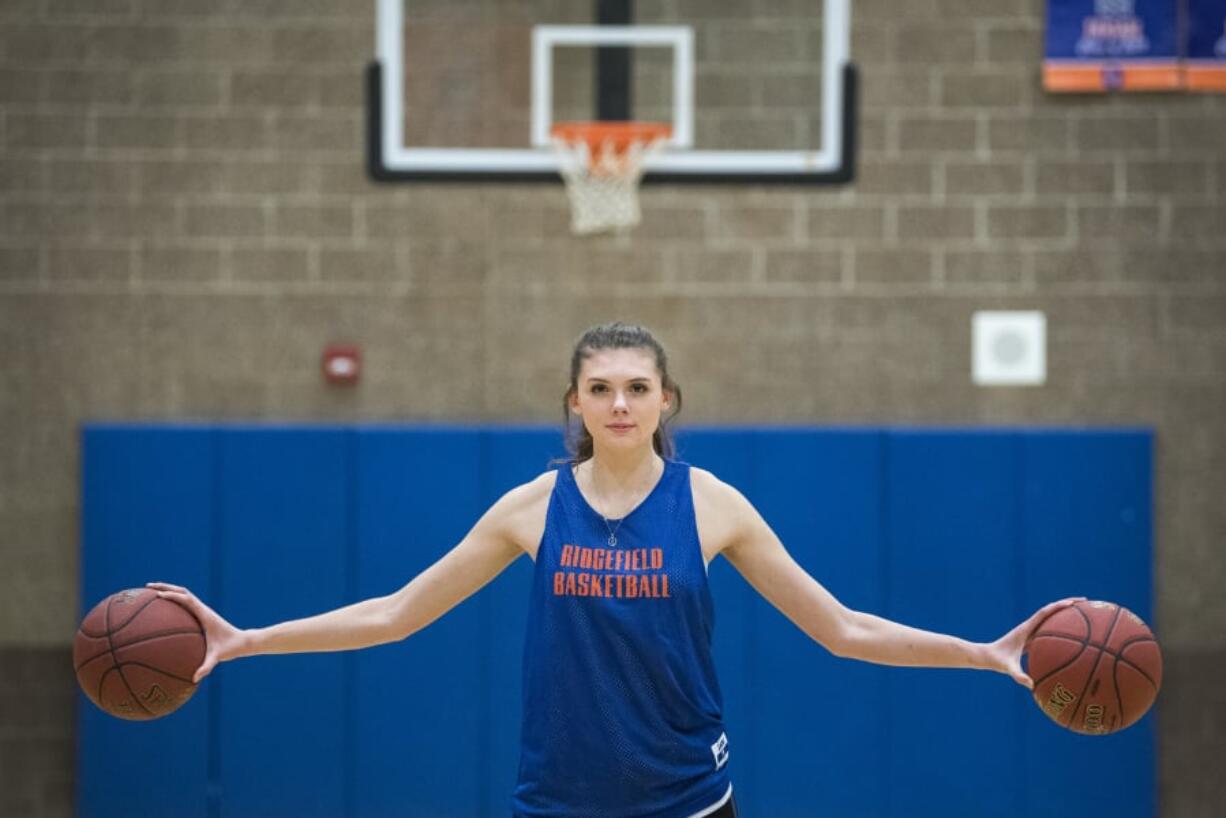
(1096, 667)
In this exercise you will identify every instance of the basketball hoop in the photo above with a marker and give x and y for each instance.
(602, 164)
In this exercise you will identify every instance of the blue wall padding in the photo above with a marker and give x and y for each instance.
(952, 518)
(826, 775)
(148, 514)
(512, 457)
(961, 531)
(283, 552)
(1087, 531)
(432, 685)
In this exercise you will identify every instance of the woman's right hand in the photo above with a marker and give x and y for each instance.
(222, 640)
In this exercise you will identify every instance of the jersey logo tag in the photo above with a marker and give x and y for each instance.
(720, 750)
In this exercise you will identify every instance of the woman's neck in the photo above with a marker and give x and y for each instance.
(630, 472)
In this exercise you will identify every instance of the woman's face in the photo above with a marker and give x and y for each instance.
(620, 398)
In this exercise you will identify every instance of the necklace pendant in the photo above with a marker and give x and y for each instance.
(612, 541)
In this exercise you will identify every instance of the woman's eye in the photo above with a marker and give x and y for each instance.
(639, 387)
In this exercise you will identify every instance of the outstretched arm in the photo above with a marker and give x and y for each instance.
(483, 554)
(760, 557)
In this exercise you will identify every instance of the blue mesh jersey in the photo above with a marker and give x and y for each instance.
(623, 716)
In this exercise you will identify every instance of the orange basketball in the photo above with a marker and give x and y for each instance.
(135, 654)
(1096, 667)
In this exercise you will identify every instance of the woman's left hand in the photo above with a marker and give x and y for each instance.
(1005, 654)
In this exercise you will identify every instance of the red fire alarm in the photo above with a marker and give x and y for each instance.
(342, 364)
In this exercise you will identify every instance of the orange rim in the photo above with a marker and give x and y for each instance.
(615, 136)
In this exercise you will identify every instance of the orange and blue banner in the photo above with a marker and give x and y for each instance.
(1112, 45)
(1205, 68)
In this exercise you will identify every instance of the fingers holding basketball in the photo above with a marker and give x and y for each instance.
(223, 640)
(166, 586)
(1047, 610)
(1018, 637)
(1005, 654)
(183, 596)
(206, 667)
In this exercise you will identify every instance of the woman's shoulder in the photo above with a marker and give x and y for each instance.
(720, 511)
(709, 487)
(715, 496)
(532, 493)
(520, 513)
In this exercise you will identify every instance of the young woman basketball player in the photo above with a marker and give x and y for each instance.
(622, 711)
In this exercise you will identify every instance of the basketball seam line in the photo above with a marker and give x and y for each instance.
(156, 670)
(1134, 665)
(1106, 640)
(102, 680)
(115, 658)
(1121, 660)
(1115, 683)
(158, 634)
(107, 634)
(1054, 671)
(142, 640)
(1118, 656)
(1071, 638)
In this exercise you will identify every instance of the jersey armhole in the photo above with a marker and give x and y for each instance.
(549, 512)
(702, 554)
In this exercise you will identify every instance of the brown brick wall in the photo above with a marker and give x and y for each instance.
(185, 221)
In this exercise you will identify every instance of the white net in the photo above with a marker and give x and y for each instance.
(603, 189)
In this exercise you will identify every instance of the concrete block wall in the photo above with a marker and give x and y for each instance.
(185, 222)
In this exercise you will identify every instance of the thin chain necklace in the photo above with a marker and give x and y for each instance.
(611, 529)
